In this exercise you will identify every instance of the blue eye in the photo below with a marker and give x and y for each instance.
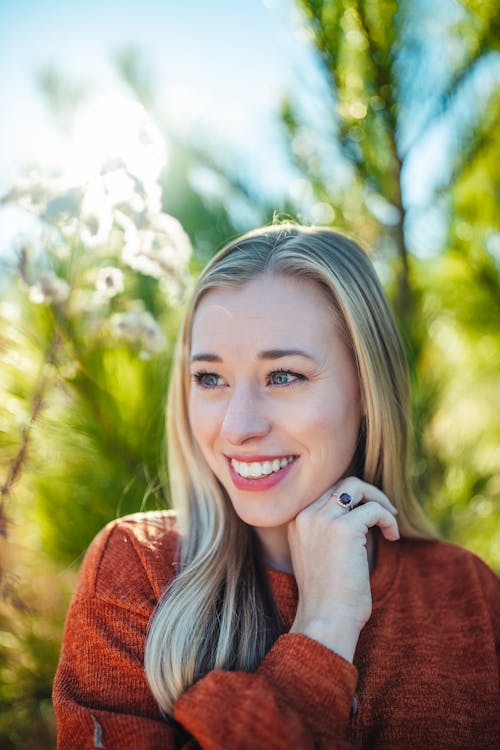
(206, 379)
(283, 377)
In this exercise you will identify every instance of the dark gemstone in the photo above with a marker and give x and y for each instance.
(345, 498)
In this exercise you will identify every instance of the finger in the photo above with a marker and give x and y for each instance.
(323, 500)
(372, 514)
(363, 492)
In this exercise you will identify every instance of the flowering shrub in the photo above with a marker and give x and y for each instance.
(93, 241)
(86, 330)
(99, 281)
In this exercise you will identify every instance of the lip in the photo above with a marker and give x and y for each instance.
(263, 483)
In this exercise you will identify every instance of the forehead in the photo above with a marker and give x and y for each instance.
(273, 309)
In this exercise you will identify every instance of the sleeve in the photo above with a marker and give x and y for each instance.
(299, 699)
(101, 696)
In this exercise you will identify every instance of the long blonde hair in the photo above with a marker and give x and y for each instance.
(218, 612)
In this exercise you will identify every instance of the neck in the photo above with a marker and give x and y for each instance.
(276, 550)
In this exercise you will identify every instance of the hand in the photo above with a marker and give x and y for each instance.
(330, 563)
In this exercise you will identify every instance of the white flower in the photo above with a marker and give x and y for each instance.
(109, 282)
(128, 192)
(96, 215)
(138, 327)
(30, 192)
(174, 288)
(121, 187)
(163, 248)
(49, 288)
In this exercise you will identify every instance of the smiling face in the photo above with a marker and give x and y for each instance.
(274, 402)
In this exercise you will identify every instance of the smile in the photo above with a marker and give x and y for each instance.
(258, 469)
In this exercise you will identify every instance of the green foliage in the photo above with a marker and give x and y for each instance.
(104, 336)
(29, 650)
(388, 86)
(87, 330)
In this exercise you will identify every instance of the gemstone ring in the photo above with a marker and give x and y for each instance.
(344, 499)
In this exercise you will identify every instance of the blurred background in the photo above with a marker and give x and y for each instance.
(136, 139)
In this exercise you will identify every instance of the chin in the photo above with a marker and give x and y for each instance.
(264, 518)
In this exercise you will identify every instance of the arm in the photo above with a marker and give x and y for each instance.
(299, 699)
(101, 697)
(301, 692)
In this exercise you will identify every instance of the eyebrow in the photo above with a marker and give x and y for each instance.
(266, 354)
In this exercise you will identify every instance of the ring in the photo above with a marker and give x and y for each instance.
(344, 499)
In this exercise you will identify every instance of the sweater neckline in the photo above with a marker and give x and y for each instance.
(382, 580)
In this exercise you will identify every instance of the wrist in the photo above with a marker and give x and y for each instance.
(338, 635)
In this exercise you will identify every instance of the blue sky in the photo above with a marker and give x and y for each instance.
(219, 67)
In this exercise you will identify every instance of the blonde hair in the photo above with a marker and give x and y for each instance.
(218, 612)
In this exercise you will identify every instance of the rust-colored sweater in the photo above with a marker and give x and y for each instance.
(425, 672)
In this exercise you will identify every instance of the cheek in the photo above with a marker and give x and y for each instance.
(333, 427)
(204, 430)
(204, 419)
(196, 420)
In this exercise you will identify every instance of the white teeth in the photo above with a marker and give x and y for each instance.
(254, 470)
(257, 469)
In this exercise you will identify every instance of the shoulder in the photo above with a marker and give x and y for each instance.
(132, 559)
(451, 572)
(439, 555)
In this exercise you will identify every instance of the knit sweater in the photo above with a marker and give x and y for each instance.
(425, 672)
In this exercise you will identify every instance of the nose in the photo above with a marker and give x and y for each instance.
(244, 418)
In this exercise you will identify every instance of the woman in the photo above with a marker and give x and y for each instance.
(290, 604)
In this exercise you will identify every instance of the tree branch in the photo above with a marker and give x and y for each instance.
(22, 454)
